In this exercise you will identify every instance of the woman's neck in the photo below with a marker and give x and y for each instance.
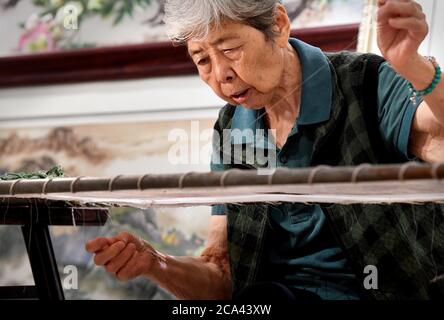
(285, 105)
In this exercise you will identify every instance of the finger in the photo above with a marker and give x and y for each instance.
(130, 238)
(382, 2)
(130, 270)
(413, 25)
(106, 255)
(419, 6)
(94, 245)
(111, 241)
(124, 274)
(394, 9)
(402, 8)
(118, 262)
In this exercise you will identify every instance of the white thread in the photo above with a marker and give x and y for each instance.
(182, 177)
(45, 185)
(223, 177)
(140, 180)
(435, 168)
(403, 170)
(112, 181)
(314, 172)
(270, 178)
(357, 170)
(11, 188)
(73, 183)
(73, 218)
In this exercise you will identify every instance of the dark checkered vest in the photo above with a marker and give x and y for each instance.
(404, 241)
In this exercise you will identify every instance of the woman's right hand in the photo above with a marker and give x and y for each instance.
(126, 256)
(203, 277)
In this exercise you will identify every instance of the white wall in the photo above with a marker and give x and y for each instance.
(427, 6)
(433, 45)
(135, 100)
(437, 31)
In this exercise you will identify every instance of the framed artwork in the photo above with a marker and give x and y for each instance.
(126, 39)
(101, 150)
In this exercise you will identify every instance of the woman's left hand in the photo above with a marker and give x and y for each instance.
(402, 27)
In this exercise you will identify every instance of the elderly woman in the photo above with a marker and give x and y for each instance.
(336, 109)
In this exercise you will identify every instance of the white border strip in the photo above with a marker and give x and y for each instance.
(153, 99)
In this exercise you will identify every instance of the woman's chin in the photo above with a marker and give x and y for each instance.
(248, 104)
(252, 107)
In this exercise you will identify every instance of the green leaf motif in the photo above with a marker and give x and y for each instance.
(55, 172)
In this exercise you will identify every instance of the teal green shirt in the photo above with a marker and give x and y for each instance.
(301, 250)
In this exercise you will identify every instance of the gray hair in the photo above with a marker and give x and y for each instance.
(192, 19)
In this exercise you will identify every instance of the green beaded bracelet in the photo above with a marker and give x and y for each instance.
(421, 93)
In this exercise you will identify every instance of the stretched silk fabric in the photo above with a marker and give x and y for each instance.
(383, 184)
(386, 192)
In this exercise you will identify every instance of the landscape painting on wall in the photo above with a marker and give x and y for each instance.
(106, 150)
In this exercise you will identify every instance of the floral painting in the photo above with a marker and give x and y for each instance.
(40, 25)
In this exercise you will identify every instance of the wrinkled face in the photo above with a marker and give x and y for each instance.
(239, 64)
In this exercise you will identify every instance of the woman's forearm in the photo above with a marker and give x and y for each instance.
(420, 73)
(192, 277)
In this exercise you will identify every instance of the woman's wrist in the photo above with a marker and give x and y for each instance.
(157, 266)
(420, 72)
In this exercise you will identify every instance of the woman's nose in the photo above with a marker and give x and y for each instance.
(224, 73)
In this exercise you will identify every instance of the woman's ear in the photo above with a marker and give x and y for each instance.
(282, 26)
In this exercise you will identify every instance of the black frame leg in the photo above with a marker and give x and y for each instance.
(35, 230)
(43, 263)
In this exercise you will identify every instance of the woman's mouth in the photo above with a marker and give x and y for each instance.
(240, 97)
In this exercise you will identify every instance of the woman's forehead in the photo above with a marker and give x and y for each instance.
(196, 46)
(225, 32)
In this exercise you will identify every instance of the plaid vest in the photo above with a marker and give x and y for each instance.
(404, 241)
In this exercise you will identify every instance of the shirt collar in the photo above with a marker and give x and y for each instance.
(316, 94)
